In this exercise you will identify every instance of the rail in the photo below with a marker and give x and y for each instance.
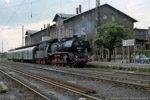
(33, 90)
(58, 83)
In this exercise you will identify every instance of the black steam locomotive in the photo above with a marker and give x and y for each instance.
(65, 52)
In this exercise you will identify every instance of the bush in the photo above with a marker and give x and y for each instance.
(132, 68)
(145, 52)
(144, 69)
(124, 68)
(1, 88)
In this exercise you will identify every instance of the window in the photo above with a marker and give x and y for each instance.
(113, 18)
(61, 32)
(105, 17)
(83, 31)
(57, 33)
(71, 32)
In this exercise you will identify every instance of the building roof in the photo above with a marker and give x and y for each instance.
(140, 32)
(103, 6)
(31, 32)
(64, 16)
(67, 17)
(141, 29)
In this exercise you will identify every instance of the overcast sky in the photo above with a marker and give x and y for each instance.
(15, 13)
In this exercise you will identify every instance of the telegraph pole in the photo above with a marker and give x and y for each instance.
(22, 35)
(89, 4)
(97, 12)
(98, 19)
(2, 46)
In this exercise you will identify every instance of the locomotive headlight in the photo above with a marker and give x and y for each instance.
(79, 48)
(76, 56)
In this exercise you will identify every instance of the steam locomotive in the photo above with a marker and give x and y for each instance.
(64, 52)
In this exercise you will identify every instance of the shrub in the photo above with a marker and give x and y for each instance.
(145, 52)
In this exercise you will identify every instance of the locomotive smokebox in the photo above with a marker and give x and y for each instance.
(75, 36)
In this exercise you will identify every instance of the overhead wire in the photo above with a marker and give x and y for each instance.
(12, 15)
(49, 8)
(76, 6)
(133, 8)
(25, 4)
(61, 7)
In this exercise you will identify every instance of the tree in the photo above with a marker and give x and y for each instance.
(109, 35)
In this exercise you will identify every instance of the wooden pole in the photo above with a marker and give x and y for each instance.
(2, 46)
(22, 35)
(135, 53)
(123, 53)
(128, 54)
(89, 4)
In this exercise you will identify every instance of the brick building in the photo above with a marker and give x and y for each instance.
(83, 24)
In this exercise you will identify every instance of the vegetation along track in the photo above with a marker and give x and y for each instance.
(30, 88)
(57, 83)
(103, 76)
(101, 70)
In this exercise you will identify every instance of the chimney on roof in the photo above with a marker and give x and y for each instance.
(48, 25)
(44, 26)
(80, 8)
(77, 10)
(97, 3)
(41, 28)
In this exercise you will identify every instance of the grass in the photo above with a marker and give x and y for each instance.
(144, 70)
(132, 68)
(3, 59)
(1, 88)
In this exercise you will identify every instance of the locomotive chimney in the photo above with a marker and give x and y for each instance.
(80, 8)
(77, 10)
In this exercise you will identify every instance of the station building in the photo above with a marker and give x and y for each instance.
(83, 24)
(142, 37)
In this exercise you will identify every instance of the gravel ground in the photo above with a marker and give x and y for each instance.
(15, 90)
(50, 91)
(104, 90)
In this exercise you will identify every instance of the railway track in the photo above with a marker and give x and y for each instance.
(57, 83)
(103, 76)
(106, 76)
(117, 71)
(26, 86)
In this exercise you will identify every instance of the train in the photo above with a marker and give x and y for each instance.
(64, 52)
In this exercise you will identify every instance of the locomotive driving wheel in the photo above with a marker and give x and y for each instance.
(38, 61)
(74, 65)
(43, 61)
